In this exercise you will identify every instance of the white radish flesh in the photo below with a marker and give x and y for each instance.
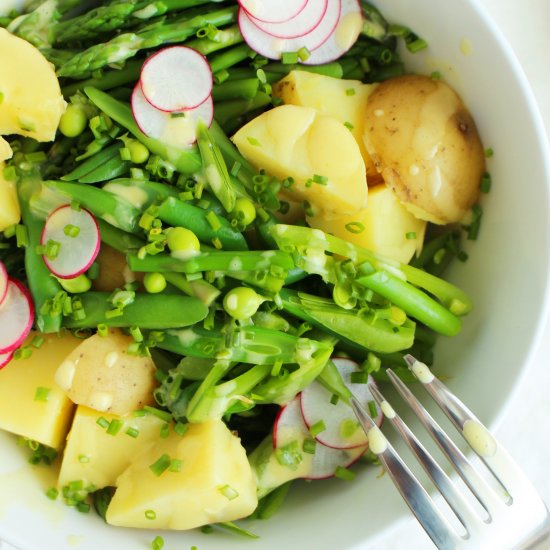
(344, 36)
(3, 282)
(176, 78)
(273, 11)
(16, 317)
(5, 358)
(341, 428)
(178, 129)
(290, 426)
(75, 234)
(272, 47)
(299, 25)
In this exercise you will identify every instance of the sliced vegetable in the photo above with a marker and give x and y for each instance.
(71, 241)
(176, 78)
(342, 38)
(177, 129)
(300, 24)
(16, 316)
(319, 407)
(273, 11)
(269, 46)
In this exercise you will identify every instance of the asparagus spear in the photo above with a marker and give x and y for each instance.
(125, 46)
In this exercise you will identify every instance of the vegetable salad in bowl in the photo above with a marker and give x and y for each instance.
(219, 220)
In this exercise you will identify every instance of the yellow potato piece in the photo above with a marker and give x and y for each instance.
(9, 205)
(44, 420)
(343, 100)
(102, 375)
(32, 103)
(385, 226)
(214, 483)
(298, 142)
(96, 457)
(426, 146)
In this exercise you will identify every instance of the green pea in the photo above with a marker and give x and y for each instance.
(138, 152)
(73, 121)
(242, 302)
(182, 240)
(244, 211)
(154, 282)
(77, 285)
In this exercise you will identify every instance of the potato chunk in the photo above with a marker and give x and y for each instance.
(343, 100)
(101, 374)
(32, 103)
(10, 212)
(94, 456)
(385, 226)
(31, 403)
(426, 146)
(212, 483)
(317, 151)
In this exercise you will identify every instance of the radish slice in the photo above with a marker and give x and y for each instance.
(272, 47)
(299, 25)
(3, 282)
(273, 11)
(5, 358)
(342, 430)
(344, 36)
(290, 426)
(176, 78)
(175, 129)
(77, 235)
(16, 317)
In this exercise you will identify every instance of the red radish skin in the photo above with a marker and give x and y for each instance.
(273, 11)
(272, 47)
(344, 36)
(179, 132)
(316, 407)
(3, 282)
(76, 254)
(326, 460)
(176, 79)
(5, 358)
(16, 317)
(299, 25)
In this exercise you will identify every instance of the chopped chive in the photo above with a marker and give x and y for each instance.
(37, 342)
(102, 329)
(439, 255)
(52, 493)
(165, 430)
(488, 152)
(75, 205)
(355, 227)
(410, 235)
(344, 473)
(317, 428)
(103, 422)
(207, 529)
(52, 249)
(218, 245)
(163, 415)
(125, 153)
(321, 180)
(132, 432)
(157, 543)
(359, 377)
(175, 465)
(150, 514)
(350, 91)
(22, 353)
(235, 168)
(83, 459)
(309, 446)
(136, 334)
(349, 125)
(417, 45)
(334, 399)
(253, 141)
(372, 409)
(486, 181)
(181, 428)
(213, 220)
(21, 236)
(436, 75)
(42, 394)
(161, 465)
(114, 426)
(83, 507)
(71, 230)
(289, 58)
(178, 114)
(228, 492)
(289, 455)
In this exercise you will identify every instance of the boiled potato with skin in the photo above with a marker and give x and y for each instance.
(385, 226)
(214, 482)
(113, 270)
(101, 374)
(96, 457)
(31, 403)
(298, 142)
(10, 212)
(343, 100)
(32, 103)
(426, 146)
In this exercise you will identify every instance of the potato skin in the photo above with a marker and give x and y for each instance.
(426, 145)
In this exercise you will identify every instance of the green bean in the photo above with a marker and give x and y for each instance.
(143, 193)
(217, 40)
(236, 89)
(227, 59)
(112, 168)
(147, 311)
(118, 239)
(90, 164)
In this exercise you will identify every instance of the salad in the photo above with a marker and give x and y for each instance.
(219, 221)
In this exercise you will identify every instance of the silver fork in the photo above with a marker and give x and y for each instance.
(508, 514)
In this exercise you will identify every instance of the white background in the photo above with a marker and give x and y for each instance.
(525, 430)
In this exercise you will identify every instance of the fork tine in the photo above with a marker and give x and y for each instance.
(447, 488)
(477, 485)
(414, 494)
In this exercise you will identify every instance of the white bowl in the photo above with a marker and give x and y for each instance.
(507, 275)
